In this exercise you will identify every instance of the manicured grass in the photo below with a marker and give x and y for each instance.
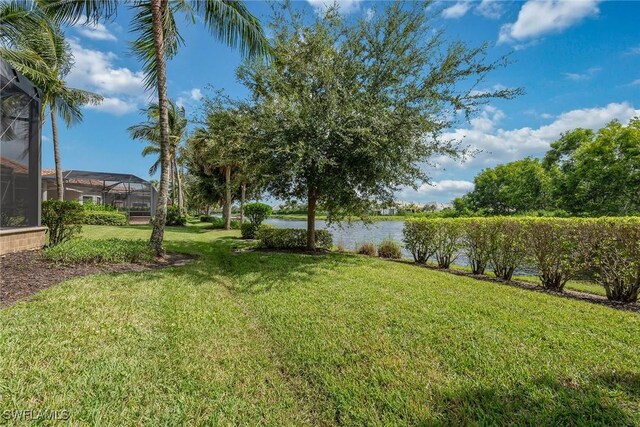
(248, 338)
(110, 250)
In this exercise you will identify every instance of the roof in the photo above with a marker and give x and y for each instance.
(98, 176)
(12, 164)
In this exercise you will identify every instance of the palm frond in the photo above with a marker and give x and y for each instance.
(72, 11)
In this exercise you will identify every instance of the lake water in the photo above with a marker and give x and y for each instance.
(351, 234)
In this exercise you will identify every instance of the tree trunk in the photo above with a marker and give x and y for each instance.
(243, 193)
(158, 9)
(179, 186)
(312, 200)
(227, 207)
(56, 155)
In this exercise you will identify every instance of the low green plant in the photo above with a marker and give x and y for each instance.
(366, 248)
(174, 217)
(292, 238)
(389, 249)
(92, 206)
(448, 239)
(104, 217)
(248, 230)
(217, 223)
(419, 237)
(476, 243)
(85, 251)
(257, 212)
(508, 246)
(62, 219)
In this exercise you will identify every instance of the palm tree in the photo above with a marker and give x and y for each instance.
(41, 53)
(158, 39)
(149, 131)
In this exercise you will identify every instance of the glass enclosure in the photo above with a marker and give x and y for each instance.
(20, 128)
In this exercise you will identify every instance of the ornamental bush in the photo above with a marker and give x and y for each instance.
(508, 246)
(84, 251)
(389, 249)
(448, 239)
(476, 243)
(366, 248)
(291, 238)
(62, 219)
(614, 254)
(257, 212)
(174, 217)
(104, 217)
(248, 230)
(554, 249)
(419, 237)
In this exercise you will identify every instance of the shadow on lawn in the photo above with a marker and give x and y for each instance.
(255, 271)
(543, 401)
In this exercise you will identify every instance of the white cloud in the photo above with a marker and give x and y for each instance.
(633, 51)
(500, 145)
(491, 9)
(458, 10)
(114, 106)
(446, 186)
(635, 83)
(581, 77)
(96, 71)
(196, 94)
(538, 17)
(488, 118)
(345, 6)
(94, 31)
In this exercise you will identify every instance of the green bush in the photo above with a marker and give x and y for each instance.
(174, 217)
(389, 249)
(476, 243)
(448, 239)
(419, 237)
(614, 253)
(554, 249)
(62, 218)
(257, 212)
(91, 206)
(248, 230)
(508, 246)
(291, 238)
(83, 251)
(206, 218)
(99, 217)
(366, 248)
(217, 223)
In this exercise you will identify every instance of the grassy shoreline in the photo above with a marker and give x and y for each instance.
(248, 338)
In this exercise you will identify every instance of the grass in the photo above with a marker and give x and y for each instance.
(95, 251)
(255, 338)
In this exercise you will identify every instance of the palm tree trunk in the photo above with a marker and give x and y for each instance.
(176, 170)
(227, 207)
(158, 7)
(243, 193)
(56, 155)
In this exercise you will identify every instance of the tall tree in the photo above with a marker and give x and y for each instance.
(349, 113)
(41, 53)
(157, 41)
(149, 131)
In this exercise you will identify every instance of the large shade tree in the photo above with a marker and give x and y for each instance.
(158, 39)
(149, 131)
(348, 113)
(36, 47)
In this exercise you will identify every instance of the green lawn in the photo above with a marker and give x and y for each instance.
(254, 338)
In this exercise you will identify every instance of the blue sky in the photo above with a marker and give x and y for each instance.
(578, 61)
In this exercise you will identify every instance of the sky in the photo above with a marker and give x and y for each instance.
(578, 62)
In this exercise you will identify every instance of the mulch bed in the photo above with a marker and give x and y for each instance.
(22, 274)
(582, 296)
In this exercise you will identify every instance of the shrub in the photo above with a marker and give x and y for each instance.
(217, 223)
(62, 218)
(98, 217)
(91, 206)
(554, 249)
(389, 249)
(206, 218)
(83, 251)
(476, 243)
(291, 238)
(248, 230)
(174, 217)
(508, 247)
(614, 253)
(419, 237)
(366, 248)
(447, 241)
(257, 212)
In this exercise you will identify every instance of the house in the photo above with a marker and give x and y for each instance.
(125, 192)
(20, 143)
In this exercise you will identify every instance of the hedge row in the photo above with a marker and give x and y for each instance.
(291, 238)
(92, 217)
(559, 249)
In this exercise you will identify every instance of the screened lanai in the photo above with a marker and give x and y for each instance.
(125, 192)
